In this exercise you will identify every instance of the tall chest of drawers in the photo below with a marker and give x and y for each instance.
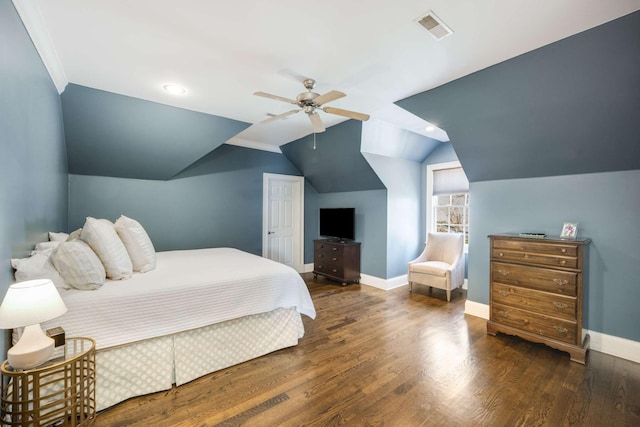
(335, 260)
(537, 291)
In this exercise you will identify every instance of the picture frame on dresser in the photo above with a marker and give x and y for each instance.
(569, 230)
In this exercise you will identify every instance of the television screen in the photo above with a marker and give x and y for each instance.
(338, 223)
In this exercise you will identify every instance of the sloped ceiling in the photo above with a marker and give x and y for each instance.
(223, 51)
(335, 164)
(568, 108)
(119, 136)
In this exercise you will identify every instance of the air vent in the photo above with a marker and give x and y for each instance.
(435, 26)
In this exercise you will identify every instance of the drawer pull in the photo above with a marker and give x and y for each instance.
(563, 250)
(563, 262)
(560, 304)
(503, 272)
(334, 270)
(334, 249)
(560, 282)
(503, 293)
(560, 329)
(500, 254)
(320, 267)
(320, 256)
(334, 259)
(503, 313)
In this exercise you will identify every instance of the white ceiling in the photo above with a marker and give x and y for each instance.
(223, 51)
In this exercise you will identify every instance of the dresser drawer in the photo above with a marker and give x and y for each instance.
(554, 305)
(542, 279)
(534, 258)
(328, 249)
(330, 269)
(536, 247)
(538, 324)
(328, 257)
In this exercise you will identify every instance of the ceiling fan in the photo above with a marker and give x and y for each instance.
(309, 102)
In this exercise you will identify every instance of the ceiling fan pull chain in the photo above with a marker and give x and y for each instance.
(314, 140)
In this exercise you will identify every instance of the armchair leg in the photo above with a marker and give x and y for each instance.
(410, 286)
(448, 295)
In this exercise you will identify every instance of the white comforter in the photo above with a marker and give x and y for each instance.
(187, 290)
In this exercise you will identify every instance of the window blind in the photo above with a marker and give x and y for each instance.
(450, 181)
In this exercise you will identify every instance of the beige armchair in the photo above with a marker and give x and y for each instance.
(441, 263)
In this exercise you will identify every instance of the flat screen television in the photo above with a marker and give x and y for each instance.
(338, 223)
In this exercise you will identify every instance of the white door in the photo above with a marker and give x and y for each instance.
(283, 213)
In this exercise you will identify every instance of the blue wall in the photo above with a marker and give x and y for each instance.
(371, 225)
(606, 206)
(216, 202)
(33, 166)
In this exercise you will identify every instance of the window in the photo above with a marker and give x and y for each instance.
(448, 199)
(451, 213)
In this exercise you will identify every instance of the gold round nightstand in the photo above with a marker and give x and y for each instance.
(60, 392)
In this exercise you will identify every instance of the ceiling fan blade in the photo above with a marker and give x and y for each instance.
(280, 116)
(346, 113)
(276, 97)
(328, 97)
(316, 122)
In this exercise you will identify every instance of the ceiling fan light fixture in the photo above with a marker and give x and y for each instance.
(430, 128)
(174, 89)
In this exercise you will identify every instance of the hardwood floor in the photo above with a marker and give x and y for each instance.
(377, 358)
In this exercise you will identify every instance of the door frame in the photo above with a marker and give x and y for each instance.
(298, 219)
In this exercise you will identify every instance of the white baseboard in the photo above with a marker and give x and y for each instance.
(476, 309)
(385, 284)
(615, 346)
(308, 268)
(608, 344)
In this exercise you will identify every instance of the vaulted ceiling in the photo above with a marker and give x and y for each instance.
(222, 52)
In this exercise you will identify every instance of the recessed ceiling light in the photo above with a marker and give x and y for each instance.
(174, 89)
(430, 128)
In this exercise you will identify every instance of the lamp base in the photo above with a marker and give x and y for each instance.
(33, 349)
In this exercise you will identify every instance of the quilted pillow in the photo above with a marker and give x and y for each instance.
(37, 266)
(138, 244)
(103, 239)
(78, 265)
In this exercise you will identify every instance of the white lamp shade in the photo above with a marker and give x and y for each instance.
(29, 303)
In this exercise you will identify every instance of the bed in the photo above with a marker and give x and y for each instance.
(197, 312)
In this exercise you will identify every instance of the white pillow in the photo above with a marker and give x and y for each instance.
(45, 247)
(103, 239)
(58, 237)
(37, 266)
(78, 265)
(138, 244)
(75, 235)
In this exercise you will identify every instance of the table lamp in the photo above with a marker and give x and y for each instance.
(28, 304)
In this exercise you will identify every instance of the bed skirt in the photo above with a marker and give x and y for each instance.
(156, 364)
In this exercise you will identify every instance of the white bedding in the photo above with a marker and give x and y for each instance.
(187, 290)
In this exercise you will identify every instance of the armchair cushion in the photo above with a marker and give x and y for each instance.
(434, 268)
